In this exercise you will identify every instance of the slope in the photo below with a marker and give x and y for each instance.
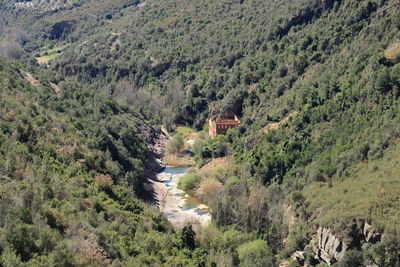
(71, 174)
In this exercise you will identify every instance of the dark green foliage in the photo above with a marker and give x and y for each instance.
(212, 148)
(385, 253)
(262, 60)
(351, 258)
(188, 237)
(71, 172)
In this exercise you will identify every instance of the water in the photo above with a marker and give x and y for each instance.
(199, 212)
(191, 203)
(175, 170)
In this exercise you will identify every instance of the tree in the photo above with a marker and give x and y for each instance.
(175, 145)
(188, 237)
(10, 258)
(352, 258)
(199, 144)
(255, 253)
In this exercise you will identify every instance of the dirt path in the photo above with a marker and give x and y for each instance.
(275, 125)
(142, 4)
(57, 90)
(30, 79)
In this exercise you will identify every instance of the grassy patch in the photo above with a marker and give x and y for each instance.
(45, 55)
(55, 50)
(393, 51)
(186, 132)
(46, 59)
(372, 191)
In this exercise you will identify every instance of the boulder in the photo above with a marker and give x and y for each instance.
(371, 235)
(299, 257)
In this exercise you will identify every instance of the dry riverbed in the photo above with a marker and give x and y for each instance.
(178, 207)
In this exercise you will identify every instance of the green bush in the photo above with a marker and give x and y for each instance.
(215, 148)
(189, 181)
(9, 258)
(175, 145)
(255, 253)
(352, 258)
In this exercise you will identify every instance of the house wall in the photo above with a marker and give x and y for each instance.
(212, 128)
(221, 126)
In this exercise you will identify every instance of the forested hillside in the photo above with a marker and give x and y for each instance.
(234, 53)
(71, 174)
(313, 171)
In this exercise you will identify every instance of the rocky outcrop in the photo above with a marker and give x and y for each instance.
(327, 247)
(330, 248)
(371, 235)
(155, 140)
(299, 257)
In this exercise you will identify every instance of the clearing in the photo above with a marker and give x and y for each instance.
(46, 55)
(392, 51)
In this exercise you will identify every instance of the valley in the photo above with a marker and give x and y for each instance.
(200, 133)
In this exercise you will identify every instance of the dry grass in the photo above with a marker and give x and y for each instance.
(31, 79)
(57, 90)
(178, 160)
(222, 162)
(393, 51)
(372, 191)
(209, 188)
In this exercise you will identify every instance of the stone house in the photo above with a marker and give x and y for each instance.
(221, 126)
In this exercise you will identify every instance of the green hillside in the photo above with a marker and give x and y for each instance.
(71, 174)
(316, 85)
(231, 52)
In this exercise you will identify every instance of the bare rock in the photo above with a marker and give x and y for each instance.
(327, 247)
(371, 235)
(156, 140)
(299, 257)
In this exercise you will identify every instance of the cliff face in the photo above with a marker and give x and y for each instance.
(330, 248)
(327, 247)
(155, 140)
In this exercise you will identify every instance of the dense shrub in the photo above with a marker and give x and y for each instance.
(175, 145)
(255, 253)
(189, 181)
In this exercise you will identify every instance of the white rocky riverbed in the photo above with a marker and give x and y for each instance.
(177, 206)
